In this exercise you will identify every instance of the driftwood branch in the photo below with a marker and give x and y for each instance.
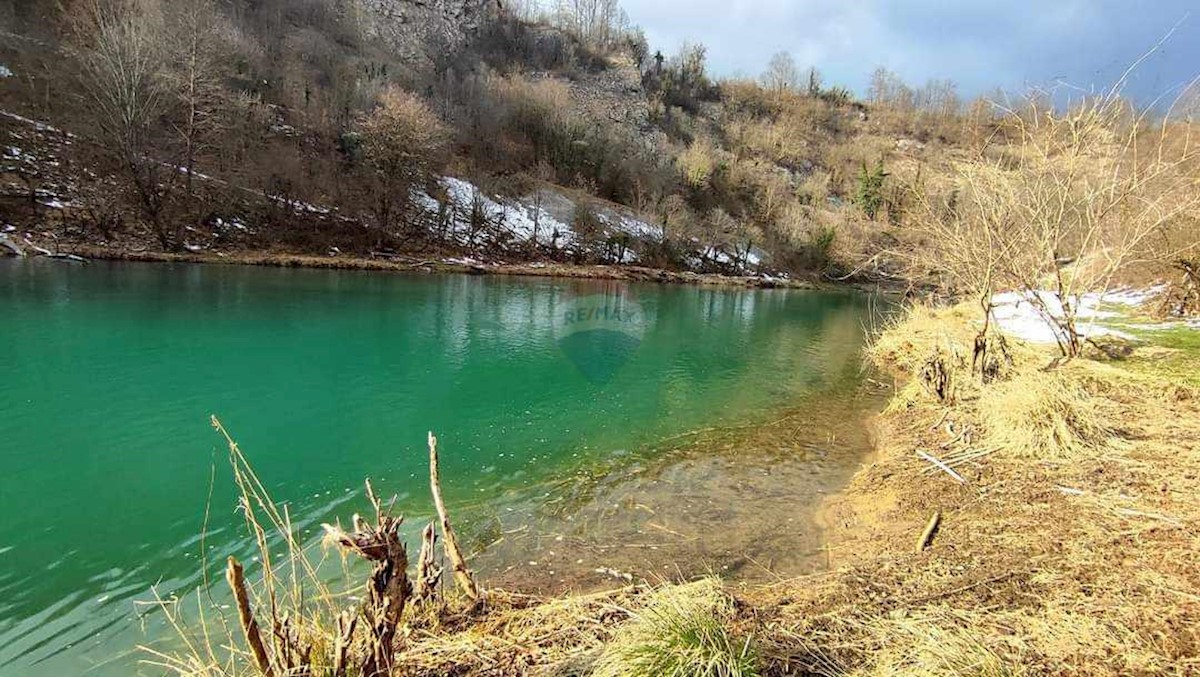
(940, 465)
(236, 576)
(462, 575)
(930, 529)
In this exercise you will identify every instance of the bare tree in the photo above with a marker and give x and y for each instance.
(597, 22)
(816, 83)
(781, 74)
(402, 142)
(121, 47)
(883, 87)
(195, 79)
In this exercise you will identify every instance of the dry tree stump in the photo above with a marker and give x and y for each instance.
(388, 588)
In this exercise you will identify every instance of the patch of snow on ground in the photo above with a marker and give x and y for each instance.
(18, 155)
(1019, 314)
(519, 221)
(744, 264)
(5, 72)
(630, 226)
(40, 126)
(233, 223)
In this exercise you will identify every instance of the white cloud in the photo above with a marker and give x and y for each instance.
(980, 44)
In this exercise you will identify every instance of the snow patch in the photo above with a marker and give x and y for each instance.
(476, 216)
(18, 155)
(5, 72)
(40, 126)
(233, 223)
(628, 225)
(1024, 315)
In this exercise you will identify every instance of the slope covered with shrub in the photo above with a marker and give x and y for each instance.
(189, 115)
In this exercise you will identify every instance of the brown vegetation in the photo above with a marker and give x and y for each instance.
(265, 118)
(1062, 205)
(326, 152)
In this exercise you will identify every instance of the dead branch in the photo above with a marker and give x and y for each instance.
(235, 575)
(930, 529)
(941, 466)
(388, 589)
(428, 572)
(462, 575)
(346, 623)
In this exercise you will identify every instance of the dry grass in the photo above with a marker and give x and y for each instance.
(1045, 416)
(935, 643)
(1068, 545)
(681, 632)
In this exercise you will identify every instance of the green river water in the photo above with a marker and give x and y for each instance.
(110, 372)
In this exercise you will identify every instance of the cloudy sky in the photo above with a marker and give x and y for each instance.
(980, 44)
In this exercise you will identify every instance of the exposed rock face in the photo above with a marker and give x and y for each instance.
(614, 94)
(614, 97)
(420, 28)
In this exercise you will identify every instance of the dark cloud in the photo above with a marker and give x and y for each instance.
(980, 44)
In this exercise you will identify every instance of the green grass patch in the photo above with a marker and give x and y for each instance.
(1171, 352)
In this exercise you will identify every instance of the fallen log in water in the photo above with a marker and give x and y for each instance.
(458, 563)
(68, 257)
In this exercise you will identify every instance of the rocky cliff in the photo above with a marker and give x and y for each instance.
(421, 28)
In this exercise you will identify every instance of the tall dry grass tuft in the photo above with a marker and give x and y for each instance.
(1045, 416)
(937, 643)
(681, 632)
(290, 619)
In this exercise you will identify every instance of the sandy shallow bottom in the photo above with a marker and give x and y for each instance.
(739, 502)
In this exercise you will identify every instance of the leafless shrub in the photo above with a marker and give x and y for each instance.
(1086, 192)
(403, 141)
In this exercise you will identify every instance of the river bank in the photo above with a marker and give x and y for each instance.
(411, 264)
(1042, 524)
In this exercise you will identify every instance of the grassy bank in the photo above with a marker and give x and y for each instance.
(1043, 523)
(1065, 541)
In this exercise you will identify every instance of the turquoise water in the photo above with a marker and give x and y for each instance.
(110, 372)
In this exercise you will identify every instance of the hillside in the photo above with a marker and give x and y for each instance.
(540, 139)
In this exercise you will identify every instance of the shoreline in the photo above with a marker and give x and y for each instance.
(406, 264)
(765, 535)
(1016, 562)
